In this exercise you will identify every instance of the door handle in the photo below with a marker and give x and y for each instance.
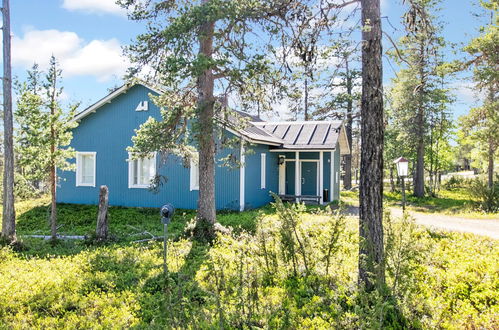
(302, 180)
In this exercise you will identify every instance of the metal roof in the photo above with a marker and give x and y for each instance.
(309, 135)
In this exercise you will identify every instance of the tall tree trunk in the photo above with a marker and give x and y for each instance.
(392, 182)
(347, 180)
(306, 97)
(371, 250)
(420, 122)
(206, 101)
(490, 166)
(53, 179)
(9, 213)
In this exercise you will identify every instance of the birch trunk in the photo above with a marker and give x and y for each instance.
(371, 251)
(9, 213)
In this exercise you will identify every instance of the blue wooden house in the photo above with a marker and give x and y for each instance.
(299, 160)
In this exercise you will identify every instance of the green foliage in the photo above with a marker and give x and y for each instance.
(42, 124)
(246, 278)
(488, 197)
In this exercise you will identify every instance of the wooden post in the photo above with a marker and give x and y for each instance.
(102, 229)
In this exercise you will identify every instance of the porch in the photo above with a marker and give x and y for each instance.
(309, 176)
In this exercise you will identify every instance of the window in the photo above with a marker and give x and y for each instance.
(141, 171)
(263, 161)
(194, 175)
(85, 169)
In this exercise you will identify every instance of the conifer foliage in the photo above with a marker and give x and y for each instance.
(44, 130)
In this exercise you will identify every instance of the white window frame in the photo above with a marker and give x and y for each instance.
(194, 172)
(79, 171)
(263, 171)
(131, 163)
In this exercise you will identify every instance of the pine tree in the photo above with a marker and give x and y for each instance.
(44, 130)
(197, 49)
(371, 246)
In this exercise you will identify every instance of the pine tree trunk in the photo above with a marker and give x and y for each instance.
(9, 213)
(206, 101)
(490, 167)
(53, 209)
(306, 97)
(347, 180)
(53, 179)
(371, 250)
(420, 122)
(392, 182)
(419, 174)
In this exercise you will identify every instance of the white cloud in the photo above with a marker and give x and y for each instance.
(102, 59)
(94, 6)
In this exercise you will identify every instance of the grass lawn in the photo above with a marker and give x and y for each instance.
(270, 272)
(456, 202)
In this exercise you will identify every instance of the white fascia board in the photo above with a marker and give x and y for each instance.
(109, 98)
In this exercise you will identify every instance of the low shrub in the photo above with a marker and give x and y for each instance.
(291, 267)
(487, 197)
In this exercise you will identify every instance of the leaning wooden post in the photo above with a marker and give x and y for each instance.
(102, 230)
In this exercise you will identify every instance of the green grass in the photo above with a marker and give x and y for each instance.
(245, 279)
(457, 202)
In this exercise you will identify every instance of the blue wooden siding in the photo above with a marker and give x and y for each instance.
(108, 132)
(255, 196)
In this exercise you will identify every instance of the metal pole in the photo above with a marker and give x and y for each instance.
(403, 194)
(165, 246)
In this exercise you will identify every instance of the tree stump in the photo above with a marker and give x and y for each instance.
(102, 229)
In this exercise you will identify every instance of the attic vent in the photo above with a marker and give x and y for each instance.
(142, 106)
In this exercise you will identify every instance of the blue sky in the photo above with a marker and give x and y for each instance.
(87, 35)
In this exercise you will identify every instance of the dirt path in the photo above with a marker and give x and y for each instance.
(484, 227)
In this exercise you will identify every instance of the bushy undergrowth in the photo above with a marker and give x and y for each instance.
(289, 268)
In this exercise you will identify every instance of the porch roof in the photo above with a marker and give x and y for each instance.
(307, 135)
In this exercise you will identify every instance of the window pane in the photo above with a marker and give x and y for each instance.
(87, 169)
(146, 169)
(135, 175)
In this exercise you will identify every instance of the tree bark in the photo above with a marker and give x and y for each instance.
(347, 180)
(371, 250)
(53, 179)
(101, 233)
(490, 166)
(53, 206)
(9, 213)
(420, 122)
(206, 101)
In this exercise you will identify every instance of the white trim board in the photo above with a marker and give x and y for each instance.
(301, 150)
(242, 177)
(78, 182)
(107, 99)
